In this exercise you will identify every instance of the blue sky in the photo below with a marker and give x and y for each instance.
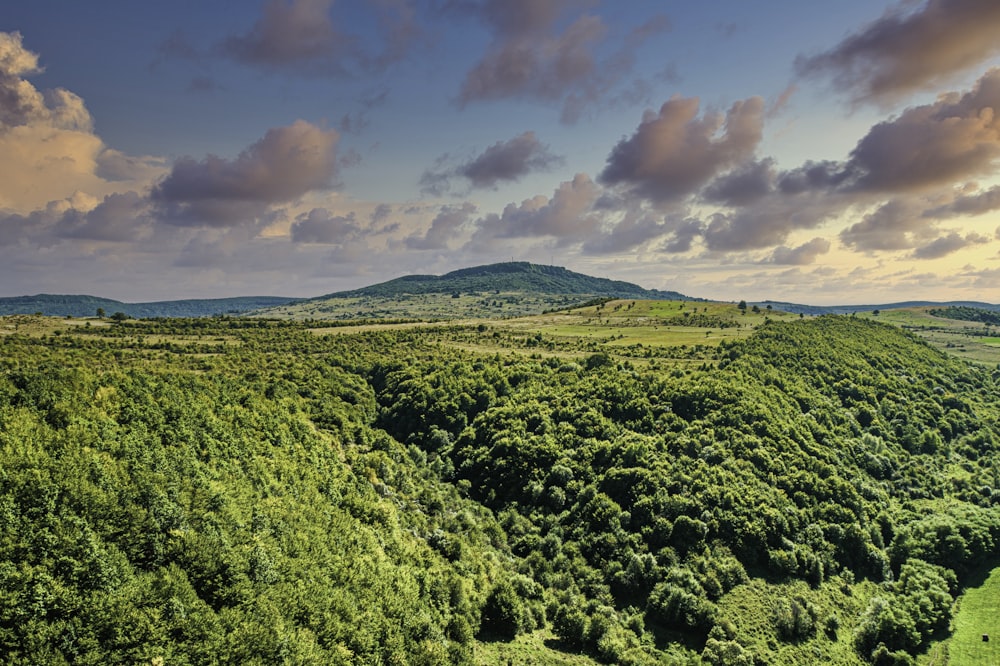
(727, 150)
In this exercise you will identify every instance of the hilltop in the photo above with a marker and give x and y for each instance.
(510, 277)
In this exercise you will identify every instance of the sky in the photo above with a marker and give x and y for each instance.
(822, 153)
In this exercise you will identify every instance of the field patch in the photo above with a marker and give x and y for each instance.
(978, 614)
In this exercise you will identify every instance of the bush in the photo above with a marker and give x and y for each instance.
(503, 614)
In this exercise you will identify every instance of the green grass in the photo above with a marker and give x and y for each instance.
(978, 613)
(537, 648)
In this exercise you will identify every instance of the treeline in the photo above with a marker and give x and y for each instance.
(389, 498)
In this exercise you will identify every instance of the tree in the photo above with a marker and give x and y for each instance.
(100, 313)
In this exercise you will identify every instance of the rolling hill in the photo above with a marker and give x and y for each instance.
(490, 291)
(510, 277)
(64, 305)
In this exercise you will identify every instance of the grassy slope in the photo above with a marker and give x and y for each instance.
(963, 339)
(978, 613)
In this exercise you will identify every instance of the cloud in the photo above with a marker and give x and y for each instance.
(946, 245)
(743, 185)
(443, 229)
(504, 161)
(47, 144)
(635, 229)
(532, 56)
(320, 226)
(567, 216)
(119, 218)
(288, 33)
(508, 161)
(768, 223)
(970, 204)
(673, 153)
(285, 164)
(905, 52)
(895, 225)
(933, 144)
(299, 36)
(804, 254)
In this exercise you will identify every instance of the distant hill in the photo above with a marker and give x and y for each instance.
(495, 290)
(797, 308)
(507, 277)
(63, 305)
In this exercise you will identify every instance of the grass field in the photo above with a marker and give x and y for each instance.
(963, 339)
(978, 614)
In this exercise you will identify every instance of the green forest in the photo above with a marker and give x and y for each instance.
(252, 491)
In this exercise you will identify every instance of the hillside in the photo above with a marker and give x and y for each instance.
(241, 491)
(491, 291)
(797, 308)
(63, 305)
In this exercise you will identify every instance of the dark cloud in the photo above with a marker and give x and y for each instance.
(503, 161)
(16, 228)
(289, 33)
(508, 161)
(320, 226)
(567, 216)
(892, 226)
(804, 254)
(443, 228)
(635, 229)
(300, 36)
(933, 144)
(545, 68)
(969, 204)
(812, 176)
(742, 186)
(381, 213)
(907, 51)
(119, 218)
(948, 244)
(673, 153)
(284, 165)
(683, 236)
(537, 53)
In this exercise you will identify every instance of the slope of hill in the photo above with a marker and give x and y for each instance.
(64, 305)
(495, 290)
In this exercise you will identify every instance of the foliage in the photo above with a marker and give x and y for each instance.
(252, 491)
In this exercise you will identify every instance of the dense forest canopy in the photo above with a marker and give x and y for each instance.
(240, 491)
